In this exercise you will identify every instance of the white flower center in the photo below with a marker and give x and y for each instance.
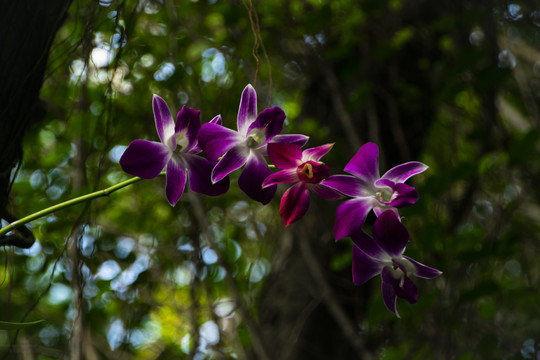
(384, 194)
(255, 138)
(409, 266)
(182, 141)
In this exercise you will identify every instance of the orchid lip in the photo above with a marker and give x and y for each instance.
(307, 170)
(312, 172)
(385, 195)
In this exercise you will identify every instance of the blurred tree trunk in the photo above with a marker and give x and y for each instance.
(28, 29)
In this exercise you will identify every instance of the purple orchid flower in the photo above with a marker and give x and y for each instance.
(247, 146)
(383, 254)
(371, 191)
(303, 168)
(177, 151)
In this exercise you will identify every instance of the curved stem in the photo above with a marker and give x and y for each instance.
(69, 203)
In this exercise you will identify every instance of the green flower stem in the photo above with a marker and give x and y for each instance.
(69, 203)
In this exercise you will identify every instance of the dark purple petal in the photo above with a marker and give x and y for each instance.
(247, 113)
(385, 182)
(407, 290)
(299, 140)
(363, 267)
(252, 177)
(404, 171)
(232, 160)
(369, 246)
(390, 233)
(188, 121)
(164, 122)
(216, 120)
(316, 153)
(296, 139)
(215, 140)
(294, 203)
(176, 181)
(350, 216)
(145, 159)
(324, 191)
(404, 195)
(388, 291)
(284, 176)
(365, 164)
(349, 185)
(423, 271)
(285, 156)
(200, 172)
(270, 121)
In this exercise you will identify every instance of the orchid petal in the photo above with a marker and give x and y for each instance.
(200, 172)
(232, 160)
(252, 177)
(368, 245)
(145, 159)
(385, 183)
(215, 140)
(348, 185)
(285, 156)
(316, 153)
(270, 121)
(390, 233)
(188, 121)
(365, 163)
(216, 120)
(284, 176)
(406, 289)
(324, 191)
(404, 195)
(164, 122)
(297, 139)
(423, 271)
(247, 112)
(388, 291)
(350, 216)
(294, 203)
(404, 171)
(363, 267)
(176, 181)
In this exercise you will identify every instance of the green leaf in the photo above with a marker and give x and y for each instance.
(5, 325)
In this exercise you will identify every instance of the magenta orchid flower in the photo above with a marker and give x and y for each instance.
(369, 190)
(383, 254)
(304, 169)
(247, 146)
(176, 151)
